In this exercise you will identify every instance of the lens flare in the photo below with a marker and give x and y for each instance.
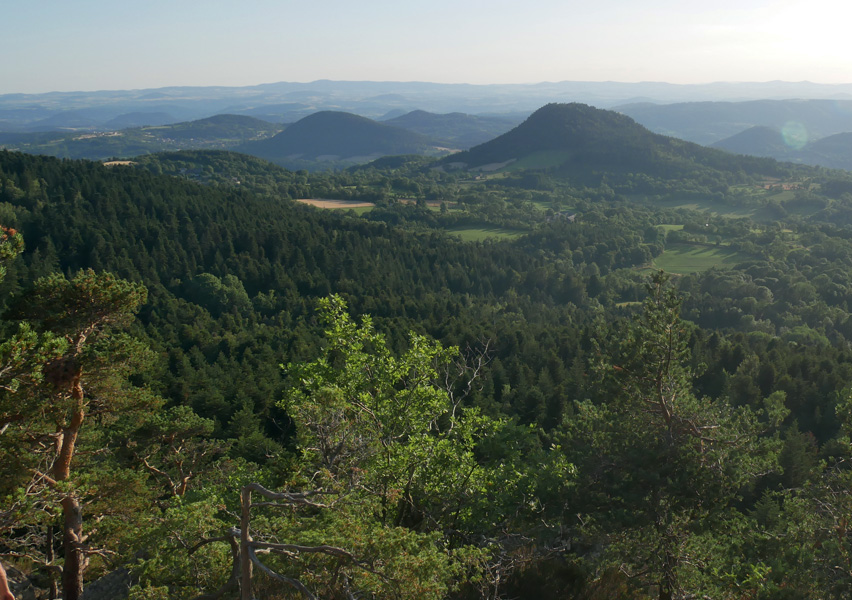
(795, 134)
(843, 108)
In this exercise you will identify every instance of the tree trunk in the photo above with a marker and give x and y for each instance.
(245, 538)
(67, 441)
(54, 589)
(72, 529)
(72, 538)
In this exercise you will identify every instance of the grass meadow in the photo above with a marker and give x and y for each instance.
(477, 234)
(692, 258)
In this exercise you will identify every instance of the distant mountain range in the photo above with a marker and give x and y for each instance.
(288, 102)
(834, 151)
(710, 122)
(105, 124)
(325, 138)
(568, 136)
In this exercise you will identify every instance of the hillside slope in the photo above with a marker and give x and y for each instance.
(833, 152)
(457, 130)
(709, 122)
(337, 135)
(757, 141)
(576, 139)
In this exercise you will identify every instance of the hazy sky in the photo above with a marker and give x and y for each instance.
(64, 45)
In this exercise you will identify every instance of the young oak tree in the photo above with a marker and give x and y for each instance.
(392, 493)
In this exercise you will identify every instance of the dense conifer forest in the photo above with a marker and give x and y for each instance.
(559, 409)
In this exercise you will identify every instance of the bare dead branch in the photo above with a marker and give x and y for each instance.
(465, 370)
(232, 534)
(291, 548)
(37, 562)
(290, 504)
(294, 583)
(300, 498)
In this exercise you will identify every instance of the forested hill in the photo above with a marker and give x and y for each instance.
(222, 128)
(834, 151)
(232, 277)
(599, 433)
(757, 141)
(575, 138)
(342, 135)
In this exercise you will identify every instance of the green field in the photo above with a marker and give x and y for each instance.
(712, 208)
(477, 234)
(362, 210)
(692, 258)
(753, 207)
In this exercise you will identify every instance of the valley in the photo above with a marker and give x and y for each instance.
(373, 301)
(457, 377)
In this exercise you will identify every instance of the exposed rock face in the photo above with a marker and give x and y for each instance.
(112, 586)
(22, 587)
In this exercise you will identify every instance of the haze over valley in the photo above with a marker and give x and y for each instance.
(105, 125)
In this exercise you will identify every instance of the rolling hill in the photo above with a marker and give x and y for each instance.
(759, 140)
(456, 130)
(333, 136)
(219, 131)
(578, 139)
(140, 119)
(709, 122)
(834, 151)
(288, 112)
(220, 128)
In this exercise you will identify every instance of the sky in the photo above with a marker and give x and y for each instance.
(85, 45)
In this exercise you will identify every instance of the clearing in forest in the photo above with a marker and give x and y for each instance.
(477, 234)
(325, 203)
(692, 258)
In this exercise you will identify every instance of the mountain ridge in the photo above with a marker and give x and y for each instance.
(708, 122)
(364, 97)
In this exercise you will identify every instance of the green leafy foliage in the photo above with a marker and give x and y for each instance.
(378, 431)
